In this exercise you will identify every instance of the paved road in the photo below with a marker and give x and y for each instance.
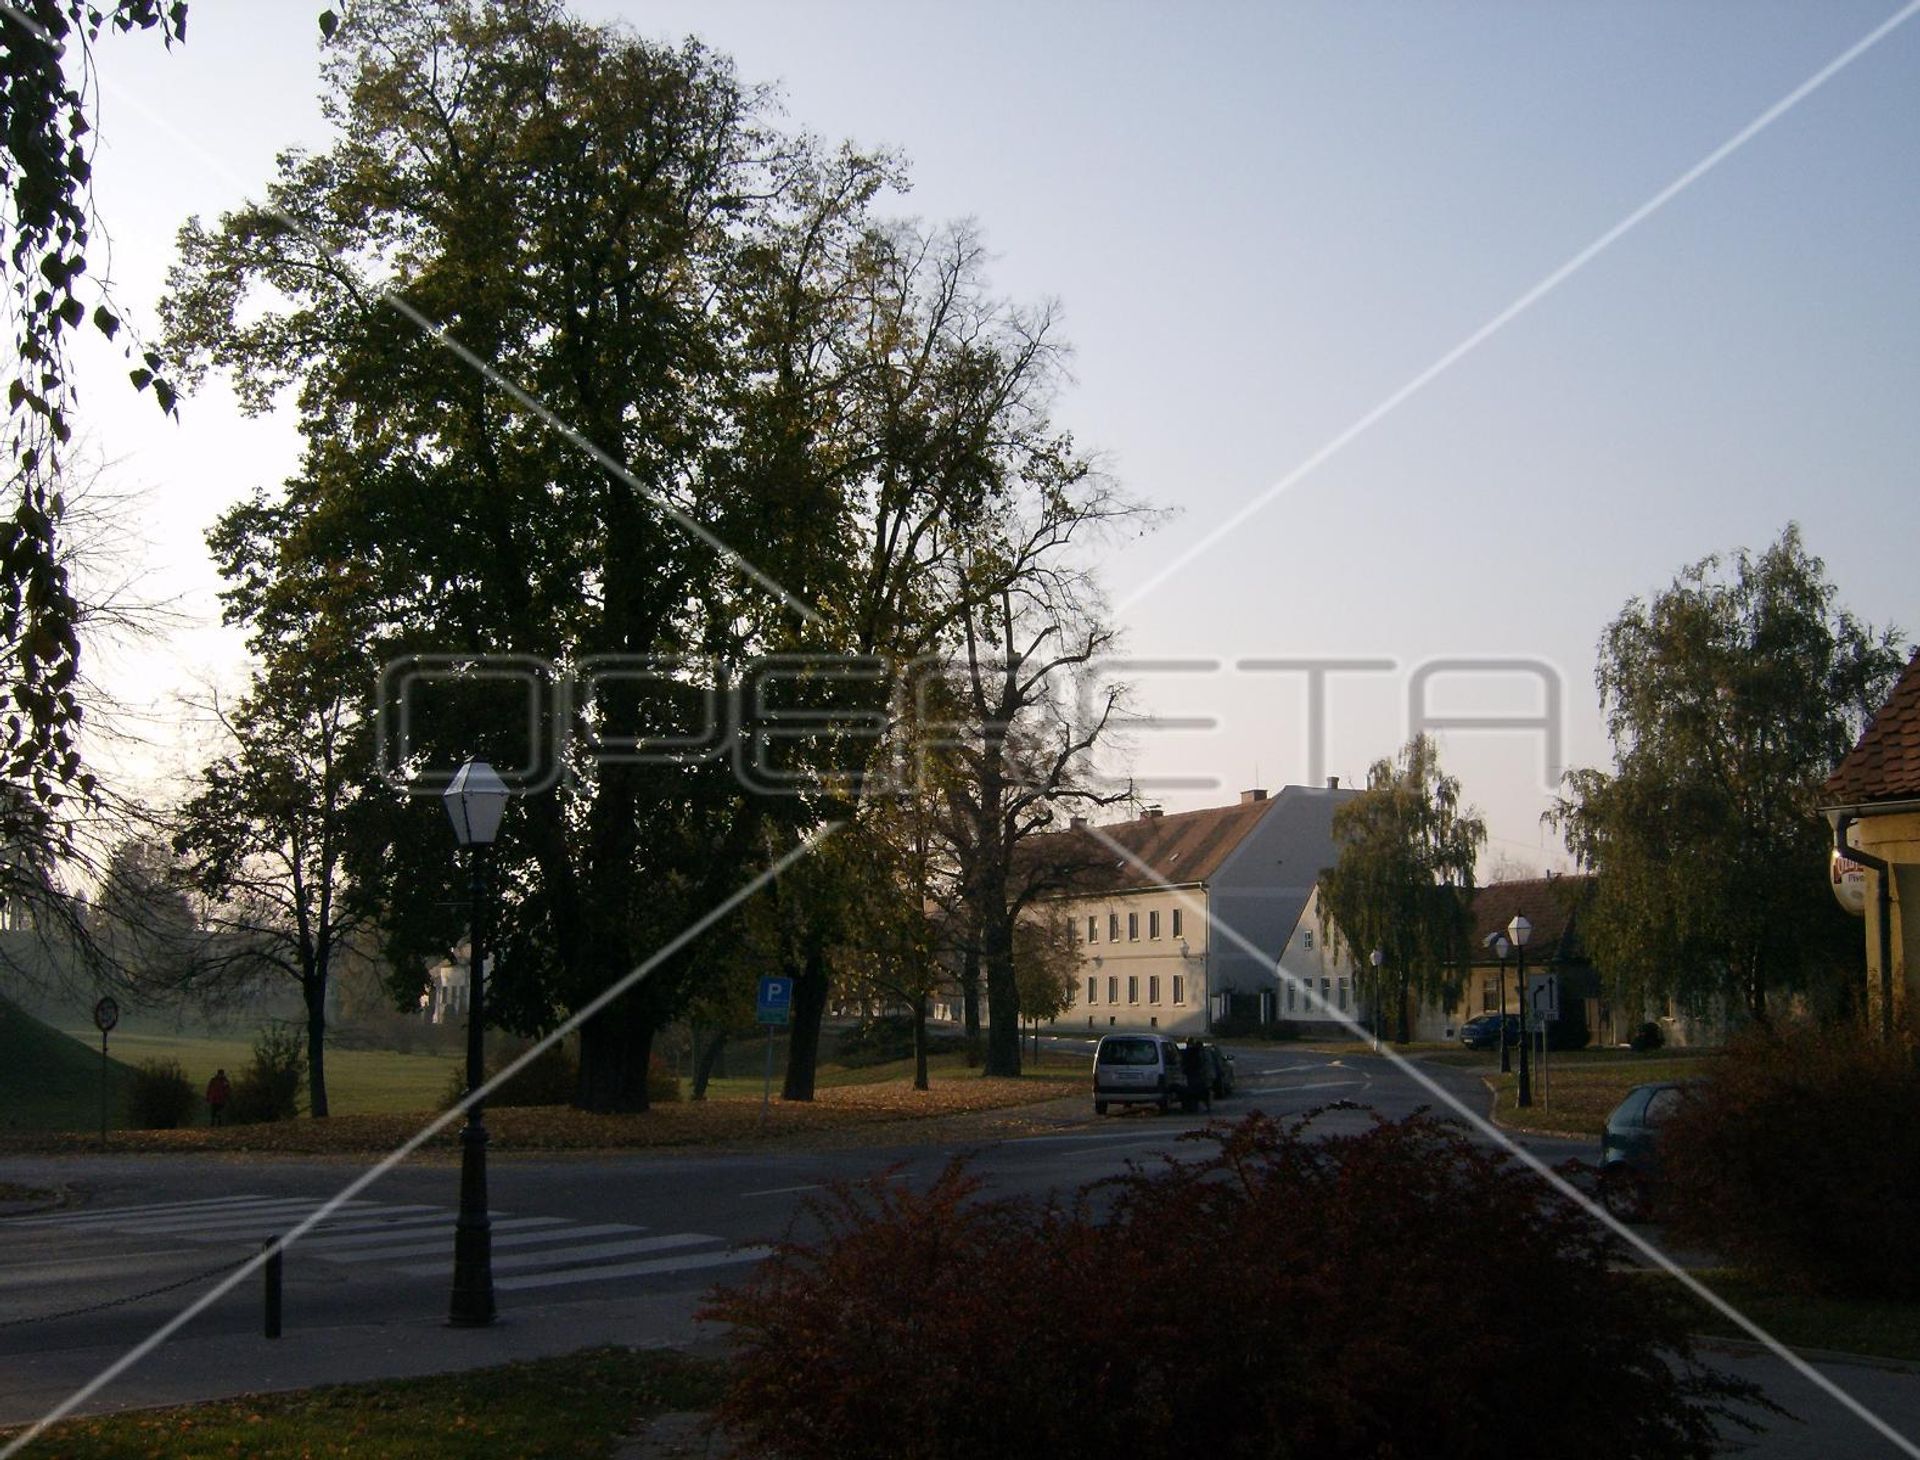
(585, 1251)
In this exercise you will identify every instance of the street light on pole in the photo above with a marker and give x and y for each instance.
(1377, 959)
(1519, 930)
(475, 799)
(1501, 948)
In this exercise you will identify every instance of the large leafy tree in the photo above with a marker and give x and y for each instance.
(1729, 696)
(47, 230)
(592, 361)
(1402, 881)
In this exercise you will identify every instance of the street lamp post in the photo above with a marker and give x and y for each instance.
(1518, 931)
(1502, 948)
(475, 799)
(1377, 958)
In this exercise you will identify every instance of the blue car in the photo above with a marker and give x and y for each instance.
(1483, 1030)
(1630, 1149)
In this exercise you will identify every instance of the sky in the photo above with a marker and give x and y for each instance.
(1299, 252)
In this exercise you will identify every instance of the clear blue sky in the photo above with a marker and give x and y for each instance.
(1259, 222)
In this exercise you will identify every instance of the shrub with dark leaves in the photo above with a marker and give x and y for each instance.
(1801, 1157)
(1400, 1292)
(161, 1096)
(269, 1087)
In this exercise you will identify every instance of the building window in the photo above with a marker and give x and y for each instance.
(1113, 989)
(1292, 989)
(1153, 988)
(1486, 997)
(1093, 991)
(1308, 936)
(1093, 930)
(1133, 988)
(1326, 993)
(1133, 927)
(1176, 922)
(1153, 924)
(1179, 989)
(1113, 927)
(1343, 995)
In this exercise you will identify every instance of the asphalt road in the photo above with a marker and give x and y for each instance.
(586, 1250)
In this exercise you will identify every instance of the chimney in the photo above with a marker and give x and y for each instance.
(1077, 823)
(1258, 793)
(1333, 783)
(1153, 813)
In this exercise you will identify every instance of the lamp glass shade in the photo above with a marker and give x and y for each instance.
(476, 799)
(1501, 947)
(1519, 930)
(1378, 958)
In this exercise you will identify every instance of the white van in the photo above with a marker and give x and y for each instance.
(1136, 1069)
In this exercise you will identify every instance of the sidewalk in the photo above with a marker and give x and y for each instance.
(191, 1369)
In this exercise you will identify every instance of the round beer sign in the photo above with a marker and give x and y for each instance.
(1850, 884)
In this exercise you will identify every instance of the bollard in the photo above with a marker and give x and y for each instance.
(272, 1271)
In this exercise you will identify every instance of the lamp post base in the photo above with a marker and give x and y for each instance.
(472, 1235)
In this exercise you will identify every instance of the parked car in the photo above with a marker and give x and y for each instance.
(1630, 1149)
(1136, 1069)
(1483, 1030)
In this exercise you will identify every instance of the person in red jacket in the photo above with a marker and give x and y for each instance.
(218, 1089)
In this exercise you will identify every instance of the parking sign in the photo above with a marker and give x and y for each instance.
(775, 1003)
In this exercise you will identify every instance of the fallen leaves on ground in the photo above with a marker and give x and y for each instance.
(732, 1120)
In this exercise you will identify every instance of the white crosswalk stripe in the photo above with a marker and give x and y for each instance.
(530, 1252)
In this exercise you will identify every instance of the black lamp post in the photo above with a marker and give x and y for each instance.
(1501, 948)
(1518, 931)
(1377, 958)
(475, 799)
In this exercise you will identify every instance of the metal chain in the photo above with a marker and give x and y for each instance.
(185, 1282)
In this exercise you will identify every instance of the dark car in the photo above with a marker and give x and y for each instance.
(1483, 1030)
(1630, 1148)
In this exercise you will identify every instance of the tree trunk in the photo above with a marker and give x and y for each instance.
(615, 1047)
(1405, 1017)
(316, 995)
(704, 1062)
(803, 1030)
(1003, 996)
(970, 991)
(920, 1043)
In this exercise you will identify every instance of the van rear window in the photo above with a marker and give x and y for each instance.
(1128, 1052)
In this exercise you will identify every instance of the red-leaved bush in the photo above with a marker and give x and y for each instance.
(1801, 1157)
(1399, 1292)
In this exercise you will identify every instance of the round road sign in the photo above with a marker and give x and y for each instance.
(106, 1014)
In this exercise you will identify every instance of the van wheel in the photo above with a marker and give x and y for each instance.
(1099, 1107)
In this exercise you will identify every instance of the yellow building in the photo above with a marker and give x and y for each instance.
(1873, 803)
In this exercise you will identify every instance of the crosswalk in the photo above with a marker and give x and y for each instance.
(417, 1240)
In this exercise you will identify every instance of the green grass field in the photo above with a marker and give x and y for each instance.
(1584, 1085)
(49, 1081)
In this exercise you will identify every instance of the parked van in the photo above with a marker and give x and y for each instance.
(1136, 1069)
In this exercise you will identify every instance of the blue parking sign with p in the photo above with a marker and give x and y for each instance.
(776, 1000)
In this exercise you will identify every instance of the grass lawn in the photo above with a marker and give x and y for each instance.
(1844, 1325)
(49, 1081)
(1586, 1084)
(583, 1405)
(359, 1081)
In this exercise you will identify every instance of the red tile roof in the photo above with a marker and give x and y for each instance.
(1551, 904)
(1885, 765)
(1186, 846)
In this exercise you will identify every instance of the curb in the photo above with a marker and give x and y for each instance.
(1493, 1119)
(1812, 1355)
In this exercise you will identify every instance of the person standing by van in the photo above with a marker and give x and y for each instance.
(1193, 1068)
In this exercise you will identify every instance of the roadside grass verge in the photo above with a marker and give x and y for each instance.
(49, 1079)
(836, 1111)
(1585, 1085)
(580, 1405)
(1874, 1328)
